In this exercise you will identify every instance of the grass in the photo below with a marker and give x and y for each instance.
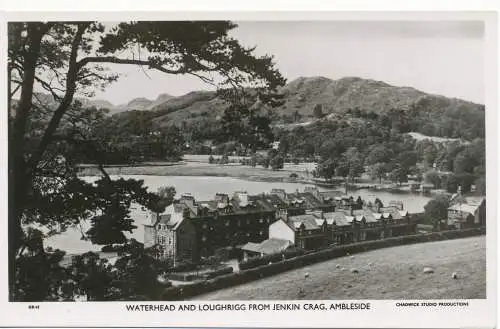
(201, 169)
(389, 273)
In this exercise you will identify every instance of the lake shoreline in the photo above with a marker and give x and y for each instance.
(248, 173)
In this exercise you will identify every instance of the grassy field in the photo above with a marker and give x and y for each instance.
(390, 273)
(204, 169)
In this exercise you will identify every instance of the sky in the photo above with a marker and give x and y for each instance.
(438, 57)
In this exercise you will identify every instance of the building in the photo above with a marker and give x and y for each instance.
(262, 223)
(306, 231)
(317, 229)
(266, 247)
(231, 221)
(466, 212)
(173, 232)
(311, 199)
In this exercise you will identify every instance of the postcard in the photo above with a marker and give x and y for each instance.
(250, 169)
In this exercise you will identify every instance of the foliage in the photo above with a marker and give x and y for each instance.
(437, 208)
(318, 111)
(433, 177)
(453, 181)
(326, 168)
(377, 171)
(46, 142)
(399, 174)
(276, 162)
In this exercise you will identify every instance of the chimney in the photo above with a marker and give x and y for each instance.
(279, 192)
(187, 199)
(282, 214)
(221, 198)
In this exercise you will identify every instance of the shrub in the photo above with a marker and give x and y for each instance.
(181, 276)
(183, 267)
(215, 273)
(290, 253)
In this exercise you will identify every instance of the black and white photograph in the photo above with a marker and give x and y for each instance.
(247, 160)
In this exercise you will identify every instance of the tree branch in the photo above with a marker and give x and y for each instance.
(66, 100)
(116, 60)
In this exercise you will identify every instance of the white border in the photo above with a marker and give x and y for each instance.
(479, 314)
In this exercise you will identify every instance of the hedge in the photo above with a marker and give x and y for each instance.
(267, 269)
(182, 276)
(184, 267)
(218, 272)
(258, 261)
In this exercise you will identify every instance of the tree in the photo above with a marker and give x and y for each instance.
(66, 59)
(166, 195)
(277, 162)
(399, 175)
(93, 276)
(318, 111)
(377, 171)
(466, 160)
(453, 181)
(433, 177)
(353, 160)
(437, 209)
(379, 154)
(480, 184)
(326, 168)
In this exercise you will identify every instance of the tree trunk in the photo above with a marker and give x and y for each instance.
(19, 176)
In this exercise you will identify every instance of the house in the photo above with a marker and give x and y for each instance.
(353, 225)
(173, 233)
(308, 231)
(230, 221)
(311, 199)
(259, 224)
(466, 212)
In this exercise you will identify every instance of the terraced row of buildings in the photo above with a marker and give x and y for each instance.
(189, 229)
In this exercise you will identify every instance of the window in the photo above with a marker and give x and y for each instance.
(261, 233)
(261, 220)
(170, 241)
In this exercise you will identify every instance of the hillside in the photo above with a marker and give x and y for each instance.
(301, 96)
(334, 96)
(391, 273)
(340, 95)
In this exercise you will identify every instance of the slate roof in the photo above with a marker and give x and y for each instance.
(166, 219)
(393, 211)
(309, 221)
(269, 246)
(467, 208)
(339, 218)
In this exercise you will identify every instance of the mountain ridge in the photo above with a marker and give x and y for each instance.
(301, 96)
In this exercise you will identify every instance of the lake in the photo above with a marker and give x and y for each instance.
(205, 188)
